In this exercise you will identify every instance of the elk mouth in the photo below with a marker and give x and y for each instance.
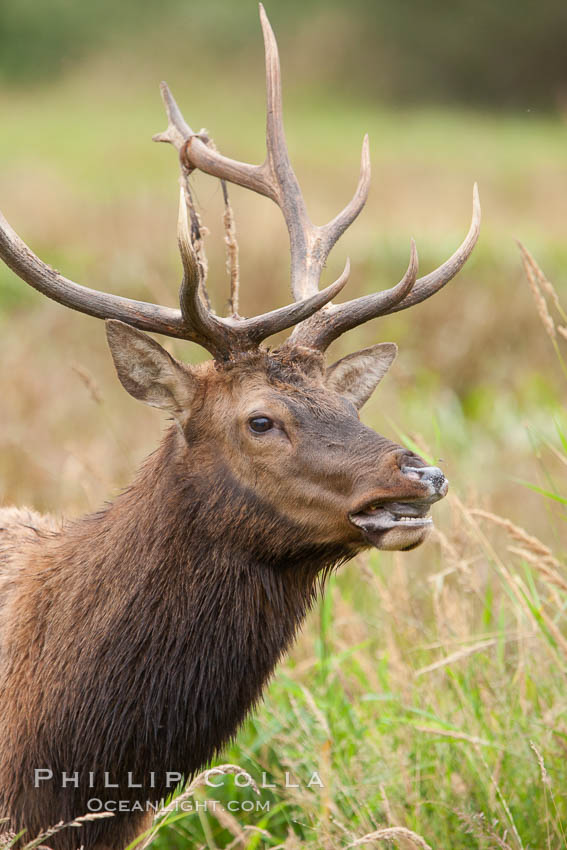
(395, 525)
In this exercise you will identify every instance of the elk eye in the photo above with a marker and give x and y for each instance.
(260, 424)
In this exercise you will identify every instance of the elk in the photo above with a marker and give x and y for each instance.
(134, 640)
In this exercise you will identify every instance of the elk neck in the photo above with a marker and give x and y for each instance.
(170, 609)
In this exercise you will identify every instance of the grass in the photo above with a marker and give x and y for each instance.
(430, 705)
(427, 691)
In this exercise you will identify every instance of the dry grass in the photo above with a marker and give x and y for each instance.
(8, 840)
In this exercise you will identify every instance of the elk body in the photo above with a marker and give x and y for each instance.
(133, 641)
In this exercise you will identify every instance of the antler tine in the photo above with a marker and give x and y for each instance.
(320, 331)
(178, 131)
(427, 286)
(211, 333)
(288, 193)
(309, 244)
(335, 228)
(261, 327)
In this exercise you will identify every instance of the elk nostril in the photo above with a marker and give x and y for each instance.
(411, 472)
(431, 476)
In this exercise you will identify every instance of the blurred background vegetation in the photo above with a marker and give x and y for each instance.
(489, 54)
(421, 682)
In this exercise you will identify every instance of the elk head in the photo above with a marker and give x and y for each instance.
(284, 424)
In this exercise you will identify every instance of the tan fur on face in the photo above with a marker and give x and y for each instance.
(317, 464)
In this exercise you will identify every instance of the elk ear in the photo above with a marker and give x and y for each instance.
(148, 372)
(357, 375)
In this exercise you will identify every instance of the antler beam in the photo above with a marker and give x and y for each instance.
(148, 317)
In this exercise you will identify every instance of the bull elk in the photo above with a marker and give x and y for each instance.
(134, 641)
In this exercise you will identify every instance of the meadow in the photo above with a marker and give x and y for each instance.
(428, 689)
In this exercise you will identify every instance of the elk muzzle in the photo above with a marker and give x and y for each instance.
(402, 522)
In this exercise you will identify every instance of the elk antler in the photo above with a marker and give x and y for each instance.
(193, 322)
(309, 247)
(309, 244)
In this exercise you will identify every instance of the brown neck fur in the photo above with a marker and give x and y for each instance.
(153, 627)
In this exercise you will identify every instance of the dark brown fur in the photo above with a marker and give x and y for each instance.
(137, 638)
